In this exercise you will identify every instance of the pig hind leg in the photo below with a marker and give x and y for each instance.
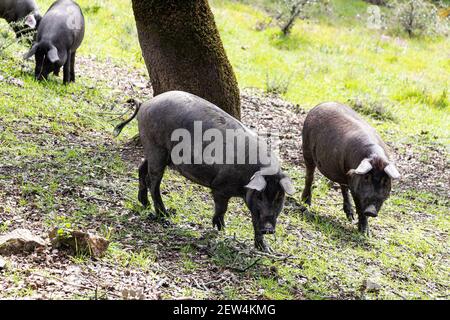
(310, 167)
(348, 209)
(157, 162)
(66, 69)
(143, 185)
(221, 206)
(72, 67)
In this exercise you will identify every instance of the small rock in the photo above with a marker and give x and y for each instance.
(79, 242)
(370, 286)
(2, 263)
(20, 240)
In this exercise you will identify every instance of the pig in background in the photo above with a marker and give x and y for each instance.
(16, 12)
(347, 150)
(263, 190)
(59, 35)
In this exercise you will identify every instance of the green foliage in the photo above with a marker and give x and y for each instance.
(8, 38)
(290, 10)
(372, 108)
(277, 84)
(417, 18)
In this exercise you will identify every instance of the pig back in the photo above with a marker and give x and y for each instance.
(63, 25)
(169, 111)
(175, 110)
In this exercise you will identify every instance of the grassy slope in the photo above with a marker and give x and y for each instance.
(339, 62)
(408, 254)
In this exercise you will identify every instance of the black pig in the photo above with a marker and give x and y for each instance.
(59, 35)
(16, 11)
(347, 150)
(261, 185)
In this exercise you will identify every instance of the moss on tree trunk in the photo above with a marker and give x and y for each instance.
(182, 50)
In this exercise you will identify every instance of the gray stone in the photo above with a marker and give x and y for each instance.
(20, 240)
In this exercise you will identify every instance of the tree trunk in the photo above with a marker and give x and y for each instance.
(183, 51)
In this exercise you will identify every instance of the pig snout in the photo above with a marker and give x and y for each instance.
(268, 228)
(371, 211)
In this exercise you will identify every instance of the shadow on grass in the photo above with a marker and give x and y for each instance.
(205, 244)
(330, 226)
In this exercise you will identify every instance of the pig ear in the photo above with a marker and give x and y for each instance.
(257, 182)
(364, 167)
(392, 171)
(30, 21)
(287, 185)
(52, 55)
(32, 51)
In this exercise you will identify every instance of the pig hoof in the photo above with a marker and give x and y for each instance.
(262, 246)
(143, 199)
(350, 214)
(364, 230)
(306, 198)
(165, 223)
(172, 212)
(219, 223)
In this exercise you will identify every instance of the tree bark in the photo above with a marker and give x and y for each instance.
(183, 51)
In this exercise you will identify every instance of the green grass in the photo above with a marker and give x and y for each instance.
(64, 166)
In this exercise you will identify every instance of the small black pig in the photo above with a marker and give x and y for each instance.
(15, 11)
(59, 35)
(347, 150)
(261, 185)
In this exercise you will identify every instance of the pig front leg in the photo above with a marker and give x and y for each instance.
(363, 224)
(260, 244)
(221, 206)
(348, 209)
(306, 195)
(143, 187)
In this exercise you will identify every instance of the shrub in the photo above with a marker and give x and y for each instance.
(291, 10)
(371, 108)
(277, 84)
(417, 18)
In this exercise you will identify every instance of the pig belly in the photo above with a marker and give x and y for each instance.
(200, 174)
(329, 167)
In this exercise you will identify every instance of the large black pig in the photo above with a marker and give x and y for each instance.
(347, 150)
(171, 115)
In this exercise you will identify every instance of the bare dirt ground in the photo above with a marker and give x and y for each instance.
(54, 274)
